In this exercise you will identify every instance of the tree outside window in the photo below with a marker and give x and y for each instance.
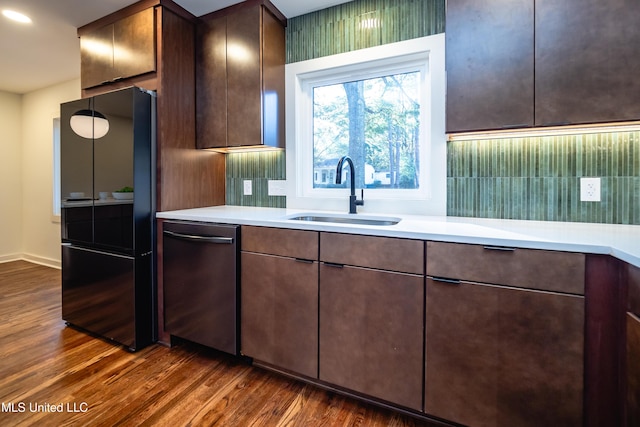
(376, 121)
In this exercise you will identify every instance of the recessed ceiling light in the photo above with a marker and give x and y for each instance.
(16, 16)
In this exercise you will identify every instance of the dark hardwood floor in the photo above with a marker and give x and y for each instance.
(46, 366)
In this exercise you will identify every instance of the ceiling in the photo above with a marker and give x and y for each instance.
(47, 51)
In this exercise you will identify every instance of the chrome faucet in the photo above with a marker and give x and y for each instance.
(353, 202)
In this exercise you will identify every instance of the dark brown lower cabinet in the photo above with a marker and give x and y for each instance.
(633, 346)
(501, 356)
(280, 312)
(633, 370)
(371, 332)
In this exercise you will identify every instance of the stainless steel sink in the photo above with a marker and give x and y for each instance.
(352, 219)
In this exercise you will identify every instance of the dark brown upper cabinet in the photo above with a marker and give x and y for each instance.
(185, 177)
(240, 57)
(587, 61)
(119, 50)
(489, 63)
(524, 63)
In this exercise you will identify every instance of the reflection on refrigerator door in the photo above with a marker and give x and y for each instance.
(107, 272)
(97, 293)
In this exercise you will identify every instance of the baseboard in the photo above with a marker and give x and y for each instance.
(10, 257)
(48, 262)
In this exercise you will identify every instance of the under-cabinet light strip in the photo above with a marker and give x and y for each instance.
(547, 131)
(245, 149)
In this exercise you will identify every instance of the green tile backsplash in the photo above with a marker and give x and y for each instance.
(539, 178)
(360, 24)
(259, 167)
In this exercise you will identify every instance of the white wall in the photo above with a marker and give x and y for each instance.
(40, 232)
(10, 176)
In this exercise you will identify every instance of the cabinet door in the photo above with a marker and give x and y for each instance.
(633, 370)
(587, 61)
(273, 85)
(211, 83)
(240, 79)
(280, 312)
(489, 62)
(633, 346)
(371, 332)
(134, 50)
(120, 50)
(244, 79)
(96, 57)
(499, 356)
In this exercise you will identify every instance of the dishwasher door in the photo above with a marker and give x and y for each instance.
(200, 283)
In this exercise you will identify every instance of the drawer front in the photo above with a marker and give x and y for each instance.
(280, 241)
(385, 253)
(526, 268)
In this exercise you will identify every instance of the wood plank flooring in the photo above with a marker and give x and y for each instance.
(45, 365)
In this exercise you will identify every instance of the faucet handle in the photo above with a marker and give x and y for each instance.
(361, 201)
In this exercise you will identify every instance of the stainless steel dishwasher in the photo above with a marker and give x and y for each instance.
(200, 278)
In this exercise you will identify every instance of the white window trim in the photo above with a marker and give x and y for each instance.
(430, 199)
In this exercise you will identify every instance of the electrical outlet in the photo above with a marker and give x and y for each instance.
(248, 190)
(277, 187)
(589, 189)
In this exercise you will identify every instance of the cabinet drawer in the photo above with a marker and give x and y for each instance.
(385, 253)
(280, 241)
(526, 268)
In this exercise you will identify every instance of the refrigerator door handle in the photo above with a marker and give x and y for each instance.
(80, 248)
(207, 239)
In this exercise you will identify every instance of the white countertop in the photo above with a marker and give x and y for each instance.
(621, 241)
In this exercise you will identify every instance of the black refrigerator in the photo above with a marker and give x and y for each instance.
(107, 183)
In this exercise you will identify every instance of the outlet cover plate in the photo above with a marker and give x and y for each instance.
(248, 190)
(589, 189)
(277, 187)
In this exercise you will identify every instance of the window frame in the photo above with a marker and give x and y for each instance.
(364, 71)
(427, 54)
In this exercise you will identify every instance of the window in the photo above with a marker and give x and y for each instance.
(374, 120)
(384, 107)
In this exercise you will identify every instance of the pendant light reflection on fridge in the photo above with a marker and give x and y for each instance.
(89, 124)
